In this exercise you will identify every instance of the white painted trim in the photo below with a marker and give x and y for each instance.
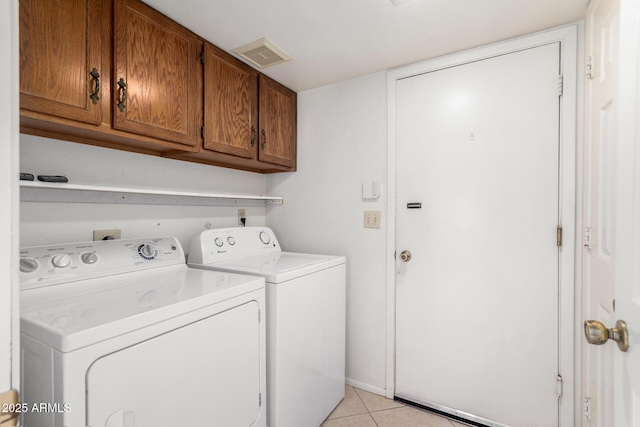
(390, 374)
(9, 194)
(568, 187)
(365, 387)
(15, 197)
(567, 36)
(577, 323)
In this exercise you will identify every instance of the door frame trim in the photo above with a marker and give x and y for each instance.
(568, 192)
(10, 192)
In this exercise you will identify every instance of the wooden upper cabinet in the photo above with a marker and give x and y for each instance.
(61, 58)
(119, 74)
(230, 105)
(278, 114)
(156, 86)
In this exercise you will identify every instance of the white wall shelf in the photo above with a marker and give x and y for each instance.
(36, 191)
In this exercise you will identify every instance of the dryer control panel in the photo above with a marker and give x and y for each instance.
(54, 264)
(225, 244)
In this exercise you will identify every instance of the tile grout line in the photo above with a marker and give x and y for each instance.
(370, 412)
(365, 407)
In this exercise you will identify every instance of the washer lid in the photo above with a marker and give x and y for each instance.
(78, 314)
(278, 267)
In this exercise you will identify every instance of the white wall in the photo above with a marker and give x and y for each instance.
(9, 336)
(49, 223)
(342, 142)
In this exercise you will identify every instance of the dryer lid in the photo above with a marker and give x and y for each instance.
(74, 315)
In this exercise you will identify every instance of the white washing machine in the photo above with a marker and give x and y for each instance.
(305, 319)
(122, 333)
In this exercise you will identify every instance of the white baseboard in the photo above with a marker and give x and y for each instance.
(365, 387)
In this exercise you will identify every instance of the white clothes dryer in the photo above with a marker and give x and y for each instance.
(122, 333)
(305, 319)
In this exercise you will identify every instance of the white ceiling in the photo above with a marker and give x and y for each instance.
(336, 40)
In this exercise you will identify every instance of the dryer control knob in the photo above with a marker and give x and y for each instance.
(218, 241)
(89, 257)
(28, 265)
(147, 251)
(61, 261)
(264, 237)
(231, 240)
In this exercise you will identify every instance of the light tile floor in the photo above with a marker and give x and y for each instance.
(360, 408)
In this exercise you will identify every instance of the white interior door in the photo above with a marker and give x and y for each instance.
(477, 304)
(611, 380)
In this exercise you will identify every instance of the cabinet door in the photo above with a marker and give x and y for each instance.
(277, 123)
(230, 104)
(156, 82)
(60, 46)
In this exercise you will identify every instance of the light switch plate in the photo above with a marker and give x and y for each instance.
(372, 219)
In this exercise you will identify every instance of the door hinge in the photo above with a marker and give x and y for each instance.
(589, 69)
(559, 236)
(259, 315)
(587, 237)
(586, 408)
(260, 399)
(559, 386)
(560, 85)
(201, 57)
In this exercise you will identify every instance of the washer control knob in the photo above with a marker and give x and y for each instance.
(89, 257)
(61, 260)
(28, 265)
(264, 237)
(231, 240)
(147, 251)
(218, 241)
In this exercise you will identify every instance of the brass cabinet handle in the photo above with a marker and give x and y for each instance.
(96, 77)
(264, 139)
(253, 136)
(123, 88)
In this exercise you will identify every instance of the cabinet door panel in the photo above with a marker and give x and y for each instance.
(277, 123)
(156, 60)
(230, 105)
(60, 44)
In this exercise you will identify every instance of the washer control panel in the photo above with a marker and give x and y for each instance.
(53, 264)
(225, 244)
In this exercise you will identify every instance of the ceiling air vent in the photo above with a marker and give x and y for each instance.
(262, 53)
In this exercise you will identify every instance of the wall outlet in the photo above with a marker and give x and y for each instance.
(372, 219)
(106, 234)
(242, 217)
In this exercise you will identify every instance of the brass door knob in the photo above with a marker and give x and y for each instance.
(405, 256)
(596, 333)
